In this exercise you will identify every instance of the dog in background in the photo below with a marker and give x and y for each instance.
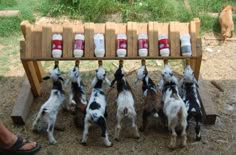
(226, 22)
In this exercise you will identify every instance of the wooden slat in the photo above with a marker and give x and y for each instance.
(23, 102)
(89, 43)
(67, 41)
(132, 38)
(197, 22)
(183, 28)
(155, 38)
(192, 28)
(121, 28)
(47, 41)
(173, 40)
(36, 39)
(151, 40)
(39, 70)
(28, 42)
(23, 27)
(110, 39)
(208, 106)
(32, 77)
(79, 28)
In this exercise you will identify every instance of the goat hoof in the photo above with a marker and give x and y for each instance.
(198, 138)
(117, 139)
(171, 146)
(83, 143)
(53, 142)
(141, 129)
(110, 145)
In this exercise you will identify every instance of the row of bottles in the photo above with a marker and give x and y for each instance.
(99, 44)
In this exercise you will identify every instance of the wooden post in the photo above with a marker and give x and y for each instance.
(32, 77)
(67, 41)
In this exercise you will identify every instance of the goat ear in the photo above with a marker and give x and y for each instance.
(46, 78)
(60, 78)
(232, 8)
(96, 70)
(223, 6)
(113, 82)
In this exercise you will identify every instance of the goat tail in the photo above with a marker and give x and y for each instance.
(125, 111)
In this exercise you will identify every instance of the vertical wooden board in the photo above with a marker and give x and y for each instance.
(152, 41)
(177, 36)
(172, 39)
(193, 65)
(32, 77)
(132, 39)
(199, 47)
(192, 28)
(28, 41)
(142, 28)
(23, 27)
(197, 24)
(155, 38)
(79, 28)
(110, 39)
(67, 41)
(121, 28)
(89, 43)
(36, 39)
(46, 41)
(183, 28)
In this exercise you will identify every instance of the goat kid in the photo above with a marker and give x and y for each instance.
(96, 109)
(173, 106)
(125, 102)
(152, 106)
(77, 98)
(49, 110)
(189, 93)
(226, 22)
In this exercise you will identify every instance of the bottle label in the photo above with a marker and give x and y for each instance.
(57, 45)
(163, 43)
(79, 44)
(143, 43)
(121, 44)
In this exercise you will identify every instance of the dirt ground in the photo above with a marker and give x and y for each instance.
(218, 64)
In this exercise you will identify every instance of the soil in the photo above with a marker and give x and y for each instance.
(218, 64)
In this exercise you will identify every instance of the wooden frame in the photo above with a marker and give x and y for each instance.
(36, 45)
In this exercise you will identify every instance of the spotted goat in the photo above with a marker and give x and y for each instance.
(173, 106)
(49, 110)
(152, 105)
(125, 102)
(77, 98)
(96, 110)
(189, 93)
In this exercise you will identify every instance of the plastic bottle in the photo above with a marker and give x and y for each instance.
(79, 45)
(143, 45)
(99, 45)
(57, 45)
(121, 45)
(186, 49)
(163, 45)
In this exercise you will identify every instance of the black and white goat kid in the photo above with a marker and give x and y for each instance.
(188, 88)
(77, 98)
(152, 104)
(125, 102)
(49, 110)
(173, 106)
(96, 108)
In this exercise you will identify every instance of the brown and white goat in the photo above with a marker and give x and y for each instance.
(125, 102)
(152, 104)
(173, 106)
(226, 22)
(77, 98)
(189, 93)
(47, 114)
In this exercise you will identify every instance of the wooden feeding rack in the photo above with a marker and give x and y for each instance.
(37, 43)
